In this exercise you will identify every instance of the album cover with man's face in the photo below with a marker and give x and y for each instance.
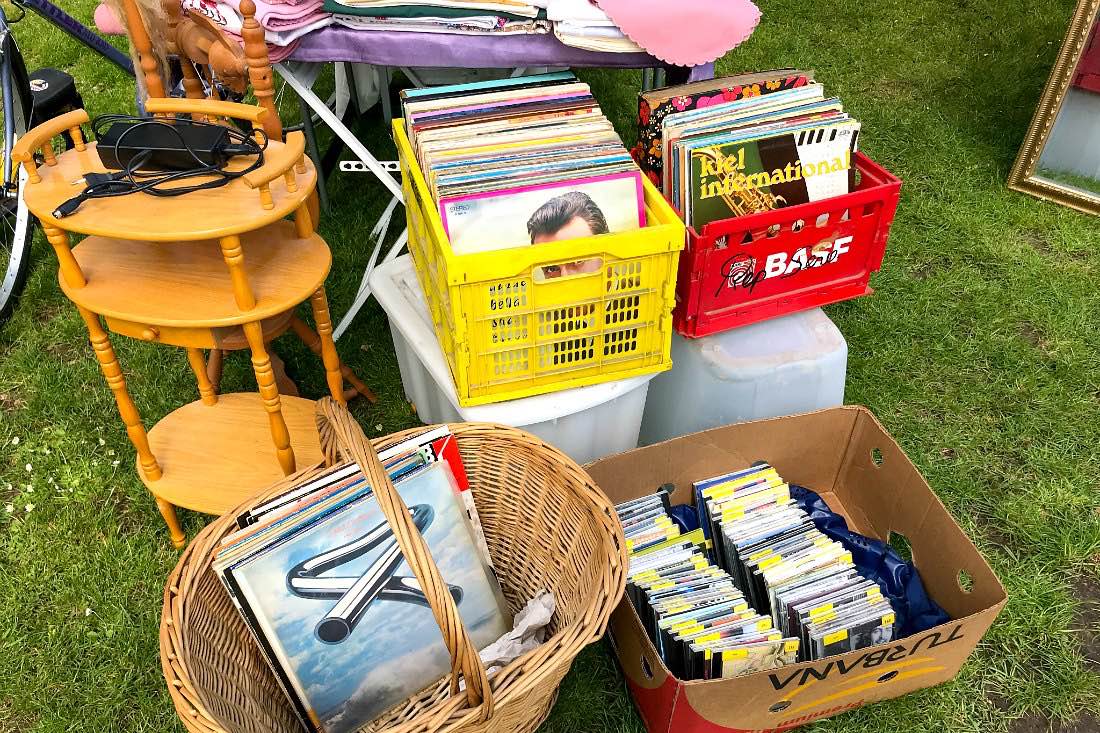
(542, 213)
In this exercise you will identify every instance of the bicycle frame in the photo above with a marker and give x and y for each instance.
(9, 105)
(58, 17)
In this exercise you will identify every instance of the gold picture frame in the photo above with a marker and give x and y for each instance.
(1023, 176)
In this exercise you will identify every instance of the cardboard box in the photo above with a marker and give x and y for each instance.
(845, 455)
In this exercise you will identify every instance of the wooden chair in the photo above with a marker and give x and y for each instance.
(189, 272)
(205, 54)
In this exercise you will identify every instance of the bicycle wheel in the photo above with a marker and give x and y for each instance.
(15, 219)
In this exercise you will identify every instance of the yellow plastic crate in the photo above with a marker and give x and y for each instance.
(508, 335)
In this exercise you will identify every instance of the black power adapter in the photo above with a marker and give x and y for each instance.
(178, 146)
(157, 155)
(165, 145)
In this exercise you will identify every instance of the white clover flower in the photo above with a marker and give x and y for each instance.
(28, 508)
(9, 508)
(102, 441)
(15, 440)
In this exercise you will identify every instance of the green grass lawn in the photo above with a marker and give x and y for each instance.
(979, 352)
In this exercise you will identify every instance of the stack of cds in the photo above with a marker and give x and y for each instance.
(787, 569)
(697, 618)
(756, 587)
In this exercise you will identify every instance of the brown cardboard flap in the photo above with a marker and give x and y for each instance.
(639, 659)
(806, 449)
(883, 492)
(796, 694)
(635, 473)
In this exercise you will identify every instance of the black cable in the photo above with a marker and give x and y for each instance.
(131, 180)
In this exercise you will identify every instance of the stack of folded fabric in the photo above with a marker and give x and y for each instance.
(466, 17)
(581, 23)
(283, 21)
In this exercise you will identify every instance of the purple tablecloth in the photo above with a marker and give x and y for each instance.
(402, 48)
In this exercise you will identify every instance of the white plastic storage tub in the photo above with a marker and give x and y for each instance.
(784, 366)
(585, 423)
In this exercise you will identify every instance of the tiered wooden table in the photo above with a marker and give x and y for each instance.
(195, 271)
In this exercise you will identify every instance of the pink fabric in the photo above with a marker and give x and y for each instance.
(695, 32)
(274, 53)
(107, 22)
(283, 16)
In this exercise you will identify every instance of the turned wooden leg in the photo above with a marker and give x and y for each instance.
(175, 531)
(214, 369)
(108, 364)
(234, 259)
(304, 221)
(265, 379)
(313, 342)
(198, 366)
(70, 269)
(313, 207)
(328, 347)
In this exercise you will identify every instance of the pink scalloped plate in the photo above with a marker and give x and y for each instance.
(696, 32)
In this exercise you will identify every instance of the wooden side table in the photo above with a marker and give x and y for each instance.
(192, 271)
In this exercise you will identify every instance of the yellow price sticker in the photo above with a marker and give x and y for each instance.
(734, 654)
(820, 610)
(791, 645)
(732, 513)
(764, 623)
(888, 620)
(708, 637)
(836, 636)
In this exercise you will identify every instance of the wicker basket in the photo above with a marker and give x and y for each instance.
(547, 526)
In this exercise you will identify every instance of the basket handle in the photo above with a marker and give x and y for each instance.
(340, 430)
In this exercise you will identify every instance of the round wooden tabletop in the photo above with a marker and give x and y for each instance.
(187, 284)
(234, 208)
(213, 457)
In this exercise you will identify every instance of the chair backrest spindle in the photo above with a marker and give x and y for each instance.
(143, 46)
(206, 54)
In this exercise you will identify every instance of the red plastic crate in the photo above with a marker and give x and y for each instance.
(799, 257)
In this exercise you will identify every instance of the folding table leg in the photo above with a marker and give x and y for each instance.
(364, 288)
(314, 151)
(383, 73)
(341, 130)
